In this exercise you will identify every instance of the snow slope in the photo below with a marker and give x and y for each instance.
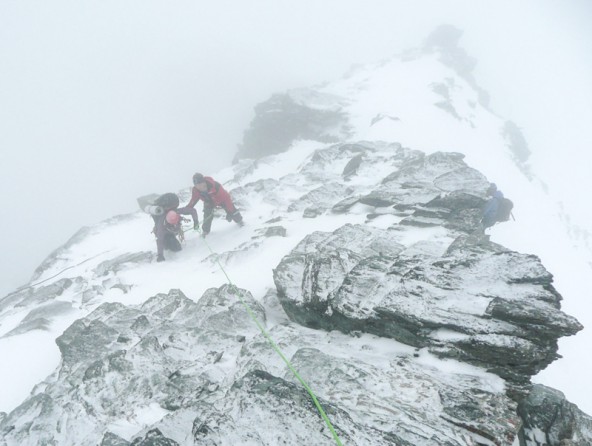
(419, 100)
(404, 89)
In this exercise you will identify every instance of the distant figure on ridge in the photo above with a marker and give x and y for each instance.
(213, 195)
(167, 224)
(497, 209)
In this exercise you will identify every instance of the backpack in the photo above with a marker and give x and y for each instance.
(504, 210)
(167, 201)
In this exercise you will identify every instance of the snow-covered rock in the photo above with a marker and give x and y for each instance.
(362, 275)
(548, 418)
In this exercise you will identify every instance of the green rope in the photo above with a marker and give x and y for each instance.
(234, 290)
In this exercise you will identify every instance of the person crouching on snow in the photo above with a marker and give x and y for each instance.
(167, 224)
(213, 195)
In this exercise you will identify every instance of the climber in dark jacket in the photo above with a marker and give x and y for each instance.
(213, 195)
(490, 211)
(167, 224)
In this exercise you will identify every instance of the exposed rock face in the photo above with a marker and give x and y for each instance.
(444, 40)
(120, 357)
(175, 357)
(116, 264)
(458, 295)
(416, 331)
(110, 439)
(297, 114)
(42, 300)
(518, 146)
(481, 304)
(550, 419)
(29, 296)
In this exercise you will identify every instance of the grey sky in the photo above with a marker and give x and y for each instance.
(103, 101)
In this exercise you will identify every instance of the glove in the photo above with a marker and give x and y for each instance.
(196, 225)
(160, 258)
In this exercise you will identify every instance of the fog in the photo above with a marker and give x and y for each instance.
(104, 101)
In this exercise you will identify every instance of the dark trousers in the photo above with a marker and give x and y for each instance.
(208, 216)
(170, 242)
(231, 214)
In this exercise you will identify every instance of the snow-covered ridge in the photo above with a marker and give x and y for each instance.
(188, 366)
(361, 257)
(428, 99)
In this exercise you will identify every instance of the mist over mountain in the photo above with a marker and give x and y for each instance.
(362, 258)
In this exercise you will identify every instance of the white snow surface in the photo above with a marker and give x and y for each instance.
(395, 88)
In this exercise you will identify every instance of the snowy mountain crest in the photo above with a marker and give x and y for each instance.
(413, 318)
(364, 260)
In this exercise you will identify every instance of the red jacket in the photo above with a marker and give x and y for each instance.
(215, 196)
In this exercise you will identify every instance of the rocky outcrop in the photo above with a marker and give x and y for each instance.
(121, 261)
(40, 317)
(471, 300)
(452, 292)
(444, 41)
(297, 114)
(43, 304)
(549, 419)
(359, 278)
(35, 296)
(411, 328)
(163, 354)
(203, 371)
(517, 144)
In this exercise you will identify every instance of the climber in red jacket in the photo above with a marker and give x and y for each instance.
(213, 195)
